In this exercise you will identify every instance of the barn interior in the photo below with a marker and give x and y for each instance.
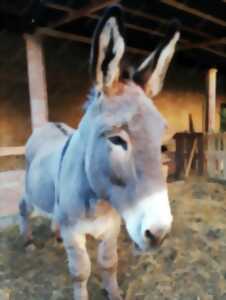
(44, 55)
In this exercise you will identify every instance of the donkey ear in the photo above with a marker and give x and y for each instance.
(151, 73)
(107, 48)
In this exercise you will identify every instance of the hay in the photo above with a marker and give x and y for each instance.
(191, 264)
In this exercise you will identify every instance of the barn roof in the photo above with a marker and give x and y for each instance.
(203, 40)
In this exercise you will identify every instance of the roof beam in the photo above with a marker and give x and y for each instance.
(138, 13)
(164, 21)
(59, 7)
(186, 43)
(195, 12)
(204, 44)
(216, 52)
(135, 27)
(87, 40)
(79, 38)
(96, 17)
(73, 14)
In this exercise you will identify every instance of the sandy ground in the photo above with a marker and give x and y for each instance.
(191, 264)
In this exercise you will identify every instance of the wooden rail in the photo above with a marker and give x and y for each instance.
(11, 151)
(216, 156)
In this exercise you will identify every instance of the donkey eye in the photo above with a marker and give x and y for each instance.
(117, 140)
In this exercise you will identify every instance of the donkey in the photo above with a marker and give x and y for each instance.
(110, 167)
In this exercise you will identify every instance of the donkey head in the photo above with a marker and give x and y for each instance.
(124, 130)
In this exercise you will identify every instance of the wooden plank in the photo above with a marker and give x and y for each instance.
(209, 42)
(36, 80)
(190, 159)
(191, 123)
(216, 156)
(78, 38)
(136, 27)
(186, 46)
(211, 142)
(224, 166)
(83, 12)
(211, 168)
(179, 155)
(63, 35)
(59, 7)
(11, 151)
(211, 156)
(165, 22)
(212, 77)
(201, 156)
(195, 12)
(216, 52)
(224, 142)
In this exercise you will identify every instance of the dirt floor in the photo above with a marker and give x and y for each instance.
(191, 265)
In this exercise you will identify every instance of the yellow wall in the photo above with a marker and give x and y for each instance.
(177, 105)
(68, 83)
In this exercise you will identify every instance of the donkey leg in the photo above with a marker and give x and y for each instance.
(55, 228)
(25, 210)
(108, 261)
(78, 260)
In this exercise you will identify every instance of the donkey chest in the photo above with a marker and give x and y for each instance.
(104, 221)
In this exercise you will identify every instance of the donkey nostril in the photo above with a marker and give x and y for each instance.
(154, 240)
(150, 236)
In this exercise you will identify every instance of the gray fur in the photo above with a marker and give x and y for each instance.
(110, 167)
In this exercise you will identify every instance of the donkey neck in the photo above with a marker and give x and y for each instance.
(76, 198)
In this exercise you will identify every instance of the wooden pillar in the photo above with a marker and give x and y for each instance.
(211, 104)
(37, 81)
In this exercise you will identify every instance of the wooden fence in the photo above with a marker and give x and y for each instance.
(216, 156)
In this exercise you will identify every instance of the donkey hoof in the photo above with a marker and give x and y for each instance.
(110, 296)
(29, 246)
(28, 242)
(115, 297)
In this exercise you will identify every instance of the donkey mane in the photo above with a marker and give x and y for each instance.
(62, 128)
(92, 96)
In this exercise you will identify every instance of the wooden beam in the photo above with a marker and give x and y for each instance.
(216, 52)
(36, 80)
(204, 44)
(190, 158)
(73, 15)
(138, 13)
(63, 35)
(59, 7)
(135, 27)
(195, 12)
(11, 151)
(211, 106)
(165, 22)
(142, 29)
(78, 38)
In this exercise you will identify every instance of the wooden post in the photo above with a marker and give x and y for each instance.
(37, 81)
(211, 106)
